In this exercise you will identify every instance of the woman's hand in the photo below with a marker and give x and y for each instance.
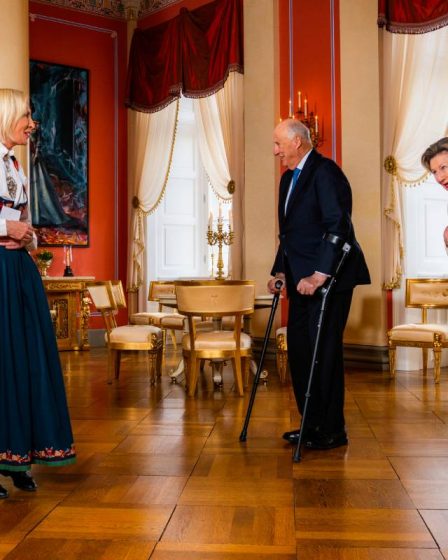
(19, 231)
(9, 243)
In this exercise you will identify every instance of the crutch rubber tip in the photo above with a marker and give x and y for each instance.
(243, 437)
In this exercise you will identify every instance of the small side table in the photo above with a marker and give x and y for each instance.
(68, 296)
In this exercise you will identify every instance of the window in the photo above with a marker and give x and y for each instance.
(177, 238)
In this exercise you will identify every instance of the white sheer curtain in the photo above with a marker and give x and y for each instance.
(415, 115)
(150, 154)
(230, 104)
(219, 119)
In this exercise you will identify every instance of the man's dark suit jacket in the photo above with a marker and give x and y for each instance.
(320, 203)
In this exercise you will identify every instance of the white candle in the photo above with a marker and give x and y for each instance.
(231, 220)
(299, 99)
(210, 220)
(220, 214)
(306, 107)
(290, 111)
(317, 124)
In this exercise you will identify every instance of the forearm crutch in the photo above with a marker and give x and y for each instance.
(278, 286)
(325, 292)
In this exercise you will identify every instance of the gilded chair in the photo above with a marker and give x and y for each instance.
(422, 293)
(168, 321)
(108, 297)
(215, 299)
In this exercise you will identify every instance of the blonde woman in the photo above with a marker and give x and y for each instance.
(34, 421)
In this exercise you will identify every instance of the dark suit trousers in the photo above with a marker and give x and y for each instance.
(326, 404)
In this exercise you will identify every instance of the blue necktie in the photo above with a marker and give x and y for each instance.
(295, 176)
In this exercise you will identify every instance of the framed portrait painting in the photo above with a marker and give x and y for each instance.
(59, 194)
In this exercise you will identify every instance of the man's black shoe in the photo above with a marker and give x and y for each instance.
(3, 493)
(324, 441)
(293, 437)
(21, 479)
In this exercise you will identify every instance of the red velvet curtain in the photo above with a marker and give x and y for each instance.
(192, 53)
(409, 16)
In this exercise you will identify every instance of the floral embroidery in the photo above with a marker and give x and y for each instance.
(49, 454)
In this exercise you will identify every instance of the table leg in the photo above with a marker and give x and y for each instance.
(84, 322)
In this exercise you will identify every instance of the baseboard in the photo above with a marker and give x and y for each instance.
(366, 357)
(97, 338)
(355, 356)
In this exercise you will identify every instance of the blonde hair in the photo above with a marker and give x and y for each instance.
(13, 105)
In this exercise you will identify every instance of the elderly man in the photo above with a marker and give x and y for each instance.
(314, 213)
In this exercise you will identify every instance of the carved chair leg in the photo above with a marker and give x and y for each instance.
(392, 352)
(425, 360)
(117, 363)
(194, 374)
(187, 369)
(159, 359)
(110, 365)
(173, 338)
(437, 360)
(236, 363)
(151, 357)
(282, 362)
(437, 356)
(246, 370)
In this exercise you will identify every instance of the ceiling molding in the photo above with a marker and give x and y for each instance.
(111, 8)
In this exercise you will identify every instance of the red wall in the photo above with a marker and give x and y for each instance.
(55, 41)
(312, 59)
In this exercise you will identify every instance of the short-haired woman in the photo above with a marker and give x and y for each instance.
(34, 421)
(435, 160)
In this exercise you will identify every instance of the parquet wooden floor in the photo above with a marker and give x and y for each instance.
(164, 477)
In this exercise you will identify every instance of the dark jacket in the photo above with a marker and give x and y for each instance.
(321, 203)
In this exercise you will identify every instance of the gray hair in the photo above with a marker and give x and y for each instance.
(294, 127)
(434, 150)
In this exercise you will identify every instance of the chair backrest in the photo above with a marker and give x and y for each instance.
(427, 293)
(215, 297)
(118, 293)
(158, 288)
(103, 297)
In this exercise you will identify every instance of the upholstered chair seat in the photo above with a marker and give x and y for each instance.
(166, 320)
(419, 332)
(173, 321)
(129, 334)
(224, 339)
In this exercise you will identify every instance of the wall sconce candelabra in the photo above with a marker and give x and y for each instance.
(308, 118)
(219, 237)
